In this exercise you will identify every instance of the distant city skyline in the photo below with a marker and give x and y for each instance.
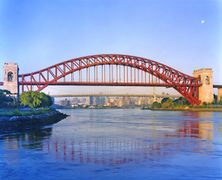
(185, 34)
(109, 101)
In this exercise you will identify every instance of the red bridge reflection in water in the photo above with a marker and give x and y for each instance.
(187, 135)
(116, 151)
(108, 151)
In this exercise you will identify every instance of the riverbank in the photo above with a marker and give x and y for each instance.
(27, 119)
(189, 109)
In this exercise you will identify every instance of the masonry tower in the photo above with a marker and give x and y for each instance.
(11, 71)
(206, 93)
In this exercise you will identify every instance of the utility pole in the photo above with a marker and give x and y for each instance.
(154, 94)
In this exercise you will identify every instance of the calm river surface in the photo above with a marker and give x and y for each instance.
(117, 144)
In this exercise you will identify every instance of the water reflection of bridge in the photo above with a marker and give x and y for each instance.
(119, 150)
(189, 136)
(108, 151)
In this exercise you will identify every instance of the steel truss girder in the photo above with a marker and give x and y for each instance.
(183, 83)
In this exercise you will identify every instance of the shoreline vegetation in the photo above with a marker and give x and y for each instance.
(30, 111)
(188, 109)
(181, 104)
(27, 119)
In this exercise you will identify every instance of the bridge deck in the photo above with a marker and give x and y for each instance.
(103, 84)
(217, 86)
(115, 95)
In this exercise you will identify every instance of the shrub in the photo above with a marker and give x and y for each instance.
(164, 100)
(168, 104)
(156, 105)
(17, 113)
(6, 100)
(181, 101)
(204, 104)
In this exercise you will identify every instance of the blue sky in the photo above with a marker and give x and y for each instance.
(184, 34)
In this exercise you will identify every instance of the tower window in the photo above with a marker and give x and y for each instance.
(199, 81)
(207, 80)
(10, 76)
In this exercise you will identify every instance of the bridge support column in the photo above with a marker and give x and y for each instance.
(219, 96)
(10, 75)
(206, 89)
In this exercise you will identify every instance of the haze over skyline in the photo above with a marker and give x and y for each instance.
(184, 34)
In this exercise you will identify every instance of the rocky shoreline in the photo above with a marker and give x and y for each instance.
(30, 121)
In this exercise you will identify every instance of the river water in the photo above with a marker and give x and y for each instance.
(117, 144)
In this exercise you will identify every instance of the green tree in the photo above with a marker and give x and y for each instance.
(46, 100)
(204, 104)
(164, 100)
(156, 105)
(35, 99)
(6, 100)
(168, 103)
(181, 101)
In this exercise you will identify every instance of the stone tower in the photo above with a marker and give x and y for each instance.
(11, 71)
(206, 93)
(219, 95)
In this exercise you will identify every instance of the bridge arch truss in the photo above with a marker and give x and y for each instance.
(112, 70)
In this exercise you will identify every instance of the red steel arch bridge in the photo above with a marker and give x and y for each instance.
(112, 70)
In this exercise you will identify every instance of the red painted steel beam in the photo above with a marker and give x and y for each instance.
(104, 84)
(97, 84)
(183, 83)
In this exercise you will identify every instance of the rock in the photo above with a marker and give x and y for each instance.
(31, 121)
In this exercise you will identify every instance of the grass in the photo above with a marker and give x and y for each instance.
(22, 112)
